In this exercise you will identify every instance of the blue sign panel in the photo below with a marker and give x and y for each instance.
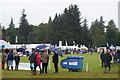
(64, 63)
(3, 46)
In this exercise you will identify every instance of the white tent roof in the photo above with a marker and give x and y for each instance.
(7, 45)
(112, 47)
(83, 47)
(32, 45)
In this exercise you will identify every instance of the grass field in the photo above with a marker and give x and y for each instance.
(0, 68)
(95, 69)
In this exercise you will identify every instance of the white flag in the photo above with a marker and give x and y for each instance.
(60, 43)
(16, 39)
(74, 42)
(66, 43)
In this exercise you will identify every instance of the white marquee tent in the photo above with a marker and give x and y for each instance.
(83, 47)
(112, 47)
(6, 45)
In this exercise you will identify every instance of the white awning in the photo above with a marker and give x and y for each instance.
(5, 44)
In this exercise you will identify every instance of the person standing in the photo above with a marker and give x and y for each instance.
(17, 60)
(108, 58)
(116, 57)
(102, 57)
(118, 51)
(38, 61)
(55, 61)
(45, 60)
(10, 60)
(32, 59)
(3, 59)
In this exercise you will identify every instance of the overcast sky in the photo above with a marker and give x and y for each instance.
(39, 10)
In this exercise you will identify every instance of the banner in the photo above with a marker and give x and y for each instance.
(24, 66)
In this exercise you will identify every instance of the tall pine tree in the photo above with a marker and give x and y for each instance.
(10, 32)
(23, 28)
(67, 26)
(85, 34)
(112, 33)
(97, 34)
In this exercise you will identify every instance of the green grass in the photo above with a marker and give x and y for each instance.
(95, 69)
(0, 68)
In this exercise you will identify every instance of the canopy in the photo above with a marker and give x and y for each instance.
(57, 51)
(29, 49)
(41, 47)
(112, 47)
(83, 47)
(5, 45)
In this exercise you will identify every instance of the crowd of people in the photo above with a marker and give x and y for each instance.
(78, 51)
(42, 57)
(8, 57)
(106, 59)
(36, 59)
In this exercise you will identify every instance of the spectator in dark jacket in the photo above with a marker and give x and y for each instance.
(32, 59)
(55, 61)
(108, 58)
(10, 60)
(118, 54)
(102, 57)
(116, 57)
(17, 60)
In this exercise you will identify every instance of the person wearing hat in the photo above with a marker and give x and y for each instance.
(108, 58)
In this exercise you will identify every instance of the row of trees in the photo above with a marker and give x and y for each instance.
(68, 26)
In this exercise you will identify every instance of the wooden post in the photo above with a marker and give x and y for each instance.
(49, 64)
(86, 67)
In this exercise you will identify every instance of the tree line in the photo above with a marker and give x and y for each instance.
(68, 26)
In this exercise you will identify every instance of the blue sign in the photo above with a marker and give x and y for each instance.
(3, 46)
(64, 63)
(73, 63)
